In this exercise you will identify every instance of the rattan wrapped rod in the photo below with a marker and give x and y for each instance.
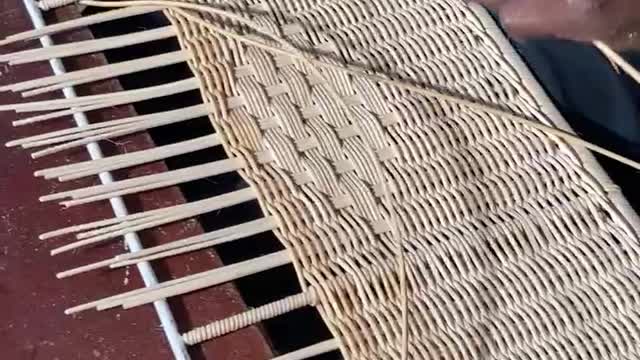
(250, 317)
(93, 167)
(88, 46)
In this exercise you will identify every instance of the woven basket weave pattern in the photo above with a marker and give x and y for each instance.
(513, 249)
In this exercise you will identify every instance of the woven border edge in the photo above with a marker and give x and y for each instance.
(628, 215)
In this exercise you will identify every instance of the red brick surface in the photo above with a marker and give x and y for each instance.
(32, 300)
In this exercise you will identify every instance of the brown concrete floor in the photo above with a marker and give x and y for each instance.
(32, 300)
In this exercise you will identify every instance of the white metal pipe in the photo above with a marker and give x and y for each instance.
(132, 240)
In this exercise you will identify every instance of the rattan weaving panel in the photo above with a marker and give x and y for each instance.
(517, 245)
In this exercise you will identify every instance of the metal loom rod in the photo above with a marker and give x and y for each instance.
(132, 241)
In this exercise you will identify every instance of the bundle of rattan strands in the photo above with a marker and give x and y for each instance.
(433, 202)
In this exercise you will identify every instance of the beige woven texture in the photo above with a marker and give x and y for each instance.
(515, 249)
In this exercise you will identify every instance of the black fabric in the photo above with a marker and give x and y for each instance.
(602, 105)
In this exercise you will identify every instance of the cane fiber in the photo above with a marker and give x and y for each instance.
(516, 247)
(516, 244)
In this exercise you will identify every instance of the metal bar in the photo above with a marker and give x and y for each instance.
(132, 240)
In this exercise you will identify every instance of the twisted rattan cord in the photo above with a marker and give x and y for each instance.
(251, 317)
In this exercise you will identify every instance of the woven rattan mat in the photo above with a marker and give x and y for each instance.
(517, 245)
